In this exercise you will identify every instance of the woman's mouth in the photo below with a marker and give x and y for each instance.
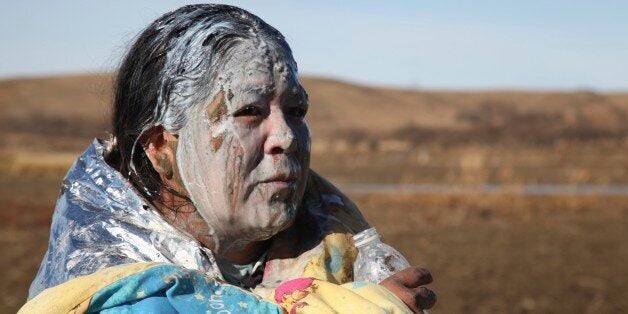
(280, 187)
(280, 180)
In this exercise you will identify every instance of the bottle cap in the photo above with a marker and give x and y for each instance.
(365, 237)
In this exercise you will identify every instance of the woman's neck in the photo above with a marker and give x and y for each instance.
(181, 213)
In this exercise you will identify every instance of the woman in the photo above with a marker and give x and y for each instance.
(204, 191)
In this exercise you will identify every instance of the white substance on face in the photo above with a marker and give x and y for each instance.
(226, 181)
(217, 62)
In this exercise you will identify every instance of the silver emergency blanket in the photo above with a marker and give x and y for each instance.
(100, 220)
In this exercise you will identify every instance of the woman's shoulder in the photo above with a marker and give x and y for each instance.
(101, 221)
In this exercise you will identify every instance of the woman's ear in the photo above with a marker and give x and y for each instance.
(160, 145)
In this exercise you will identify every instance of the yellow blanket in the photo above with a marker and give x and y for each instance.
(148, 287)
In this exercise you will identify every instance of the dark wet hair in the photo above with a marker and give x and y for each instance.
(171, 66)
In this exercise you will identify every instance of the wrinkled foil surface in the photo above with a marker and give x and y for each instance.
(100, 220)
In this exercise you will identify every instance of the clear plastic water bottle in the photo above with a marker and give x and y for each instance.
(376, 260)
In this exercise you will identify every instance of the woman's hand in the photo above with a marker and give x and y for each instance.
(407, 286)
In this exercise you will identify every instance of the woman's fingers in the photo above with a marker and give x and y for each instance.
(416, 299)
(413, 277)
(407, 286)
(425, 298)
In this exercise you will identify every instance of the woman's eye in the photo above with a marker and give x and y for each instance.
(249, 111)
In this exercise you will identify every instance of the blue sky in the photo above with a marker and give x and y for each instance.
(425, 44)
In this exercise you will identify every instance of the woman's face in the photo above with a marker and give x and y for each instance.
(244, 157)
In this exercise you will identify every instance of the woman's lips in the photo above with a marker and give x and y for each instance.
(279, 189)
(280, 179)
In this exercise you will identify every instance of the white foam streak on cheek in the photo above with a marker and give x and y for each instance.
(194, 161)
(251, 210)
(213, 175)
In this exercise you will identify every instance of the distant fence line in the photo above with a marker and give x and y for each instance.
(465, 189)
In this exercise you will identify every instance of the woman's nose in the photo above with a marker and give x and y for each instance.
(280, 137)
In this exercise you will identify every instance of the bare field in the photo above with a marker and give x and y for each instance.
(513, 254)
(489, 253)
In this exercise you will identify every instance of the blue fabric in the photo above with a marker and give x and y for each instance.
(173, 289)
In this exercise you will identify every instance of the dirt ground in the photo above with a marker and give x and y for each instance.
(488, 253)
(511, 254)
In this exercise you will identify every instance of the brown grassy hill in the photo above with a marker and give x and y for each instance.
(53, 112)
(523, 115)
(78, 106)
(438, 136)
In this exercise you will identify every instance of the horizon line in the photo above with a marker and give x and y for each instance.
(352, 81)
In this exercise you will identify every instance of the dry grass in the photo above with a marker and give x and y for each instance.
(489, 253)
(513, 254)
(490, 260)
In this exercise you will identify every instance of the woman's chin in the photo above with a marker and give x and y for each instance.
(273, 226)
